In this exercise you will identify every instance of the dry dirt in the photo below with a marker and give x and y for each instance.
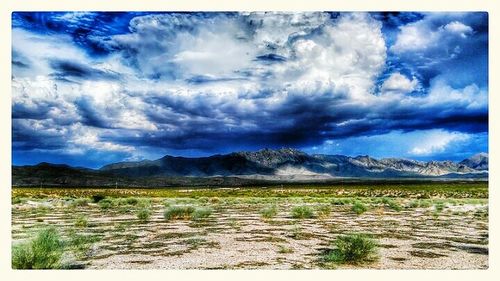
(235, 236)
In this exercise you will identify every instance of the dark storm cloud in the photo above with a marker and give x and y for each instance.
(66, 68)
(225, 81)
(271, 58)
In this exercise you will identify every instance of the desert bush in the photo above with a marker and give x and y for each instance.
(201, 213)
(341, 201)
(284, 250)
(131, 200)
(439, 206)
(144, 202)
(96, 198)
(143, 214)
(269, 212)
(359, 207)
(481, 213)
(392, 204)
(214, 200)
(302, 212)
(105, 203)
(22, 256)
(81, 221)
(42, 252)
(80, 202)
(413, 204)
(81, 243)
(353, 248)
(178, 212)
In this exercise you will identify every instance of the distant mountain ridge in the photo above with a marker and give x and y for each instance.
(286, 164)
(292, 162)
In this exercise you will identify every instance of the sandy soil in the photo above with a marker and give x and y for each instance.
(236, 237)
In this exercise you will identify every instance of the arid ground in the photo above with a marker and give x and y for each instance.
(415, 226)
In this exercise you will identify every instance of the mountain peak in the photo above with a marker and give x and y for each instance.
(478, 161)
(480, 155)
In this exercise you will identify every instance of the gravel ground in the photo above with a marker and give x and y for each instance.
(236, 237)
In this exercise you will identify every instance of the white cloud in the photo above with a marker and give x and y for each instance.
(458, 28)
(398, 83)
(423, 35)
(437, 141)
(87, 139)
(470, 97)
(36, 51)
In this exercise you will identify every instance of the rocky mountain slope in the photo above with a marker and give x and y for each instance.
(292, 162)
(248, 168)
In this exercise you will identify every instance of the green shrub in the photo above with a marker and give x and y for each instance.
(81, 221)
(131, 201)
(302, 212)
(43, 252)
(178, 212)
(201, 213)
(353, 248)
(420, 203)
(80, 202)
(439, 206)
(359, 207)
(22, 256)
(269, 212)
(143, 214)
(81, 244)
(392, 204)
(413, 204)
(144, 202)
(284, 250)
(106, 203)
(96, 198)
(168, 202)
(297, 233)
(16, 200)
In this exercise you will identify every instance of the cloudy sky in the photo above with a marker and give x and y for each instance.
(93, 88)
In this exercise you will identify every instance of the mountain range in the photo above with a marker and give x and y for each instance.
(284, 164)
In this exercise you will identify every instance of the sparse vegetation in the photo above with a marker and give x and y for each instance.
(131, 200)
(81, 243)
(359, 207)
(81, 221)
(352, 248)
(143, 214)
(392, 204)
(178, 212)
(105, 203)
(342, 201)
(201, 213)
(297, 233)
(269, 212)
(237, 212)
(80, 202)
(439, 207)
(43, 252)
(96, 198)
(302, 212)
(144, 203)
(284, 250)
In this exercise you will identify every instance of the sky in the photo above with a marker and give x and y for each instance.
(92, 88)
